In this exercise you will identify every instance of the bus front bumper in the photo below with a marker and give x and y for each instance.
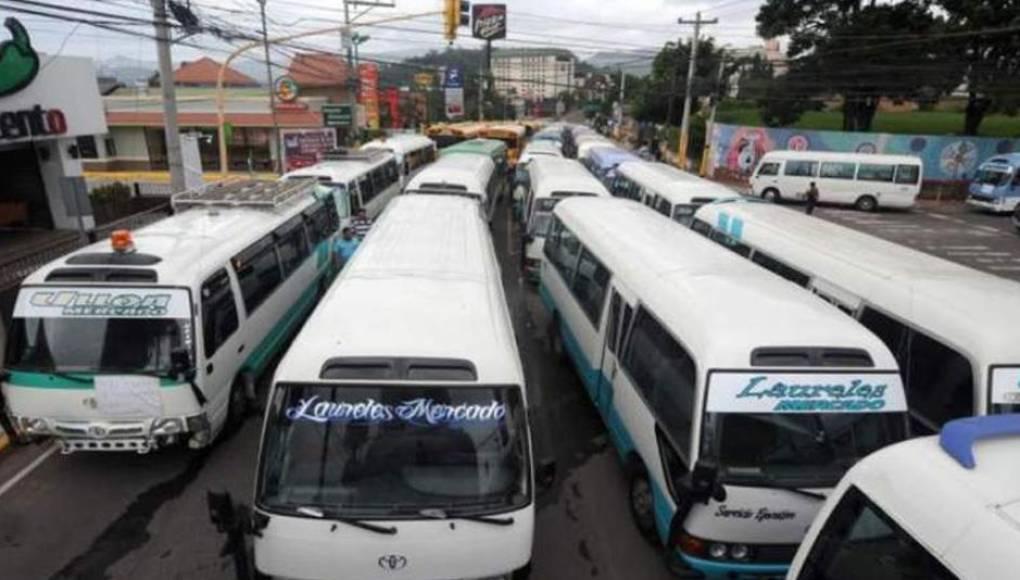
(138, 435)
(711, 569)
(993, 204)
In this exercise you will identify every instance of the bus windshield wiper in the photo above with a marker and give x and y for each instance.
(315, 512)
(440, 514)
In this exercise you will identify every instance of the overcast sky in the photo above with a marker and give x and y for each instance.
(598, 25)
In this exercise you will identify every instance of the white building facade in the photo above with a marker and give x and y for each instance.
(533, 73)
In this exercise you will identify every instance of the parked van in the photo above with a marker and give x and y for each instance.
(367, 179)
(866, 181)
(512, 135)
(672, 192)
(949, 326)
(938, 508)
(603, 161)
(410, 150)
(396, 440)
(735, 400)
(996, 186)
(551, 180)
(465, 175)
(491, 148)
(157, 336)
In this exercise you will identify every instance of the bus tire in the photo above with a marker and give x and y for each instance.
(866, 203)
(771, 194)
(641, 501)
(238, 405)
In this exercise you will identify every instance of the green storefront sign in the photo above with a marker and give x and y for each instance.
(337, 115)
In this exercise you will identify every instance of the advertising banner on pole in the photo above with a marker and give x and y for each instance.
(368, 94)
(453, 86)
(304, 147)
(488, 21)
(393, 102)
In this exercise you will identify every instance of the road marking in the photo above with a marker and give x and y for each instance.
(28, 469)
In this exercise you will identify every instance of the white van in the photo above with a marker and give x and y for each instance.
(396, 442)
(157, 336)
(866, 181)
(472, 176)
(951, 327)
(368, 179)
(938, 508)
(668, 190)
(735, 400)
(411, 151)
(550, 181)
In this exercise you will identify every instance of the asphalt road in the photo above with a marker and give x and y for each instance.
(950, 230)
(123, 516)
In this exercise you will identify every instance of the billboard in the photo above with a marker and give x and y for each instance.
(488, 21)
(454, 103)
(304, 147)
(368, 92)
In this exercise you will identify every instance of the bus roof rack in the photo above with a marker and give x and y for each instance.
(243, 193)
(342, 154)
(959, 436)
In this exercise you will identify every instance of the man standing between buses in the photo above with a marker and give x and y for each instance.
(361, 223)
(812, 199)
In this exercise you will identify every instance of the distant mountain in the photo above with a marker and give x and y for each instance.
(635, 63)
(126, 70)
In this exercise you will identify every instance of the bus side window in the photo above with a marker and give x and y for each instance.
(665, 375)
(590, 286)
(860, 541)
(355, 197)
(777, 267)
(564, 253)
(702, 227)
(801, 168)
(219, 312)
(907, 174)
(613, 324)
(664, 207)
(769, 168)
(367, 189)
(291, 245)
(258, 271)
(321, 221)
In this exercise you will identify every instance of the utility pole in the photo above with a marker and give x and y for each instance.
(717, 96)
(166, 83)
(685, 123)
(352, 72)
(277, 163)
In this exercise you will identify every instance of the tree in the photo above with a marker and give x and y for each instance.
(860, 51)
(986, 41)
(659, 97)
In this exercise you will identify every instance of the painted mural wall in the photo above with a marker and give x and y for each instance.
(736, 149)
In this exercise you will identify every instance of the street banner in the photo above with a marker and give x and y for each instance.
(368, 94)
(453, 78)
(304, 147)
(454, 103)
(393, 101)
(488, 21)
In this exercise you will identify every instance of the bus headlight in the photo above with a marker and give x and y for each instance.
(717, 551)
(740, 552)
(171, 426)
(34, 426)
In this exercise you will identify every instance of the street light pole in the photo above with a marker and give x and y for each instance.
(278, 160)
(685, 123)
(175, 163)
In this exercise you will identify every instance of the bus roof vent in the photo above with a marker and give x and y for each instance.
(797, 356)
(244, 193)
(113, 259)
(114, 275)
(398, 368)
(958, 436)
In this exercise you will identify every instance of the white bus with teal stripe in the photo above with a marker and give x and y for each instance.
(157, 336)
(735, 399)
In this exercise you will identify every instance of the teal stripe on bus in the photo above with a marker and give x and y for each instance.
(263, 353)
(43, 380)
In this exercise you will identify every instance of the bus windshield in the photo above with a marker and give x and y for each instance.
(386, 451)
(808, 450)
(992, 176)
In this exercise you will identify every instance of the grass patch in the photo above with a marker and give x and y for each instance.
(917, 123)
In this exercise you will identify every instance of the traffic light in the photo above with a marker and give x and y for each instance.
(455, 13)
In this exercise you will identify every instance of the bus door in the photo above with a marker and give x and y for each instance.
(622, 305)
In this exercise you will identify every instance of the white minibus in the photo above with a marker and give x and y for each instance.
(672, 192)
(550, 181)
(411, 151)
(472, 176)
(540, 148)
(937, 508)
(866, 181)
(396, 442)
(157, 336)
(367, 179)
(950, 327)
(735, 400)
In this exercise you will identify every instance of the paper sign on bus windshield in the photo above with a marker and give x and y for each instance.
(749, 392)
(1006, 386)
(102, 302)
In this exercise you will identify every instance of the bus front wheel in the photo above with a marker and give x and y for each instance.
(771, 194)
(866, 203)
(642, 503)
(238, 405)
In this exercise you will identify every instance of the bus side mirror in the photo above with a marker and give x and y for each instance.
(545, 475)
(701, 484)
(180, 361)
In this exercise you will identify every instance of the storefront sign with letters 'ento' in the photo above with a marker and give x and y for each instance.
(37, 102)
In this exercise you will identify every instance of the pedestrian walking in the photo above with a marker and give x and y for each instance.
(361, 223)
(345, 246)
(812, 198)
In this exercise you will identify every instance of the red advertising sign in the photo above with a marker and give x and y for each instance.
(304, 147)
(488, 21)
(393, 101)
(368, 93)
